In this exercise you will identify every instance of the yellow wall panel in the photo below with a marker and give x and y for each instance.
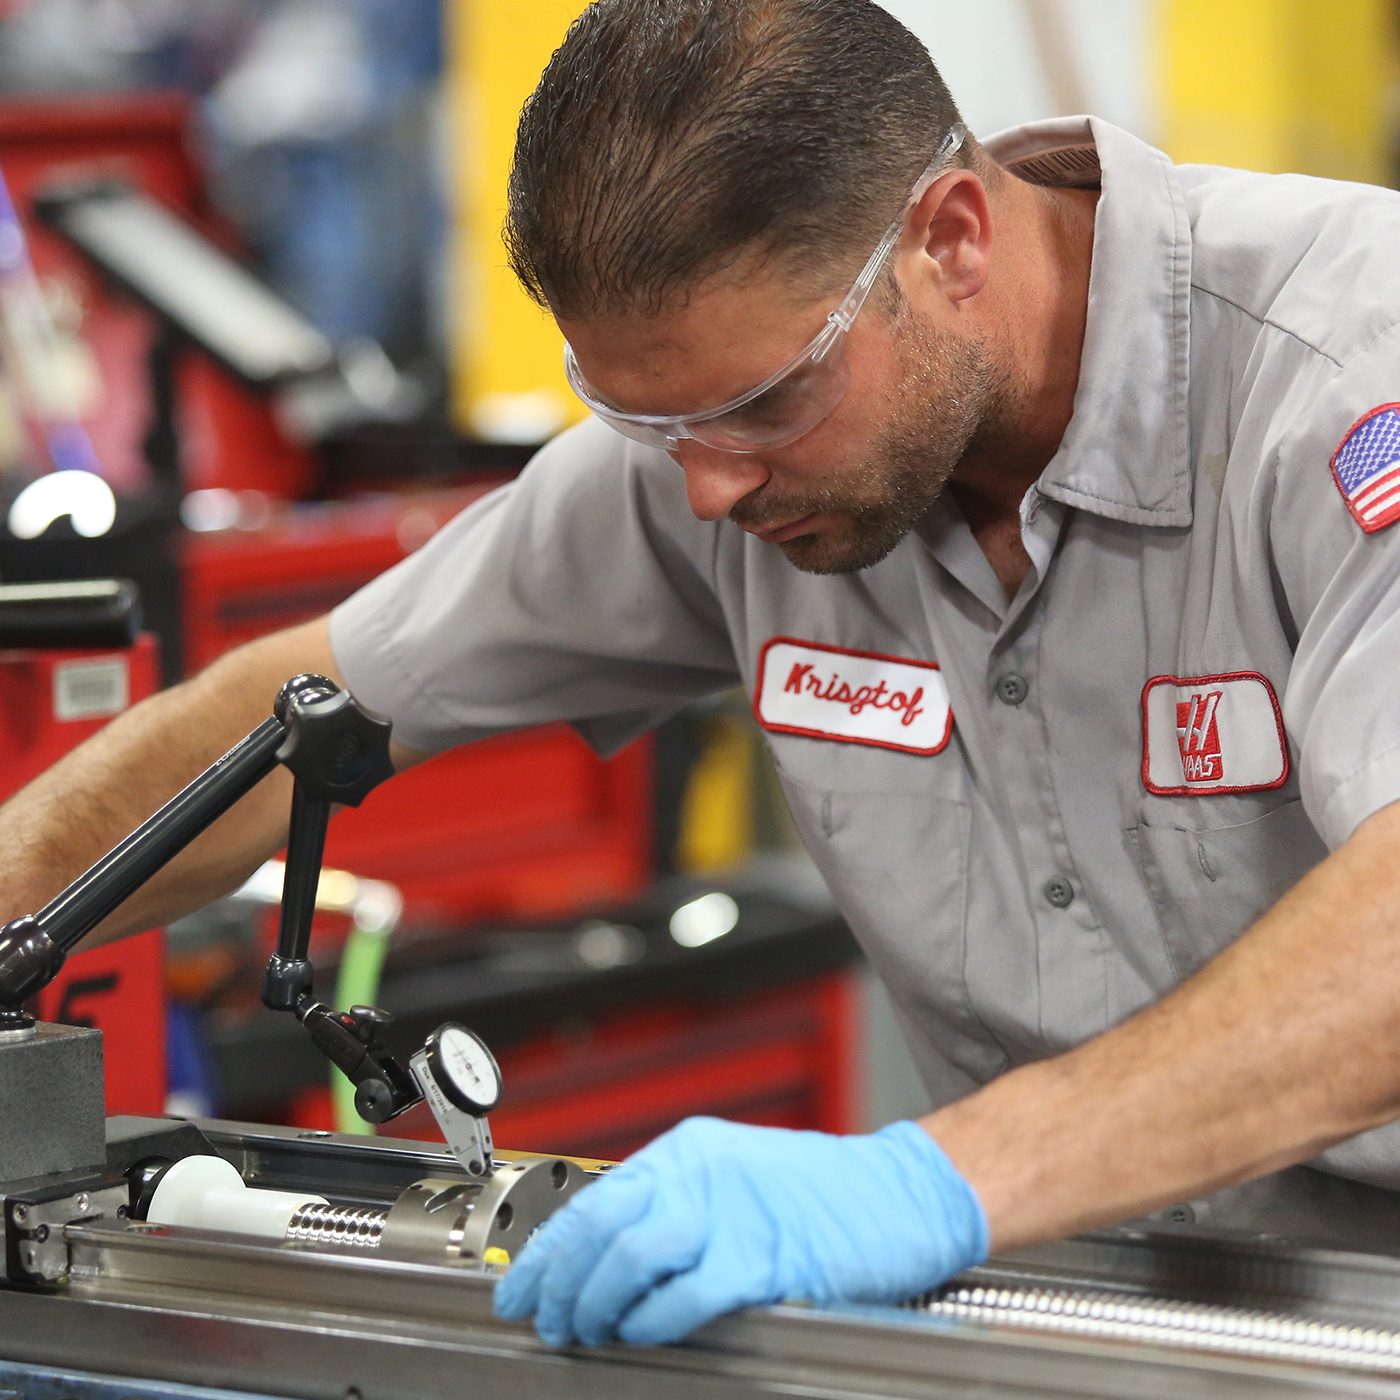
(1278, 84)
(508, 379)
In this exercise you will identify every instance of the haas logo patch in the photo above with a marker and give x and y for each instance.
(1212, 734)
(1199, 737)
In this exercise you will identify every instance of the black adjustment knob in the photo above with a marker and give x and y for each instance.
(368, 1021)
(335, 747)
(374, 1100)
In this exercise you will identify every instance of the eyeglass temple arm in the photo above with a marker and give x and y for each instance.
(855, 298)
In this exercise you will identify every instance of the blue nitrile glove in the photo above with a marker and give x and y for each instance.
(714, 1216)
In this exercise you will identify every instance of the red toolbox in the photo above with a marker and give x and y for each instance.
(530, 824)
(52, 698)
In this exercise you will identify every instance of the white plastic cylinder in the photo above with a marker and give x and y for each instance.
(207, 1193)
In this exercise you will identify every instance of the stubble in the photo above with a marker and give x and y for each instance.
(949, 392)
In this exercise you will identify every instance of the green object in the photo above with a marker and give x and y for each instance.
(356, 984)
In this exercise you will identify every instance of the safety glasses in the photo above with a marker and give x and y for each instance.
(797, 397)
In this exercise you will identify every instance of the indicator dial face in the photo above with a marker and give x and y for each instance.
(465, 1069)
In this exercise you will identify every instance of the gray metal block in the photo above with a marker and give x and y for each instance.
(51, 1103)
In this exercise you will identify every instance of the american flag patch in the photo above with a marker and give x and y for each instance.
(1367, 468)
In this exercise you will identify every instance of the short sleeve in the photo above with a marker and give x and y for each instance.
(580, 592)
(1336, 551)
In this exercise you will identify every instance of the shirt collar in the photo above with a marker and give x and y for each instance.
(1126, 452)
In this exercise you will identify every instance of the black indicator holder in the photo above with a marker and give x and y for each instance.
(338, 752)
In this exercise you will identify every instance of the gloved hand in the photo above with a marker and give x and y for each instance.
(715, 1216)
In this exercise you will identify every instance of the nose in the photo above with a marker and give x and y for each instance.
(716, 481)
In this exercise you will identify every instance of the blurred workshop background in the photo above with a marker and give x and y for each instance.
(258, 340)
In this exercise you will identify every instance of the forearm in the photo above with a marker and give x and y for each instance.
(76, 811)
(1287, 1042)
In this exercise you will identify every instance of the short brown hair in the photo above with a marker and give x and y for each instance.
(667, 138)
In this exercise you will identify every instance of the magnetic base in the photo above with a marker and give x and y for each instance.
(51, 1101)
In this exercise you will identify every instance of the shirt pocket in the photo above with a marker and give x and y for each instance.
(895, 857)
(1209, 883)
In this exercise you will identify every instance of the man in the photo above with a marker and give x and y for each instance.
(1078, 688)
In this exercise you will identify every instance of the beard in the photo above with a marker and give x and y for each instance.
(948, 392)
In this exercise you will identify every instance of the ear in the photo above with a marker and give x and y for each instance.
(948, 238)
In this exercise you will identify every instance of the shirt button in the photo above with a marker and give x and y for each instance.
(1181, 1215)
(1059, 892)
(1012, 688)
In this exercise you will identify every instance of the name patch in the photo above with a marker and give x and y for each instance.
(853, 697)
(1212, 734)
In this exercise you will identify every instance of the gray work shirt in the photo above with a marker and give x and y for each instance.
(1189, 701)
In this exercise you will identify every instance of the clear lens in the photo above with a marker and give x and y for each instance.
(793, 403)
(781, 414)
(646, 433)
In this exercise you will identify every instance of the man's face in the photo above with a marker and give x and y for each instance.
(841, 497)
